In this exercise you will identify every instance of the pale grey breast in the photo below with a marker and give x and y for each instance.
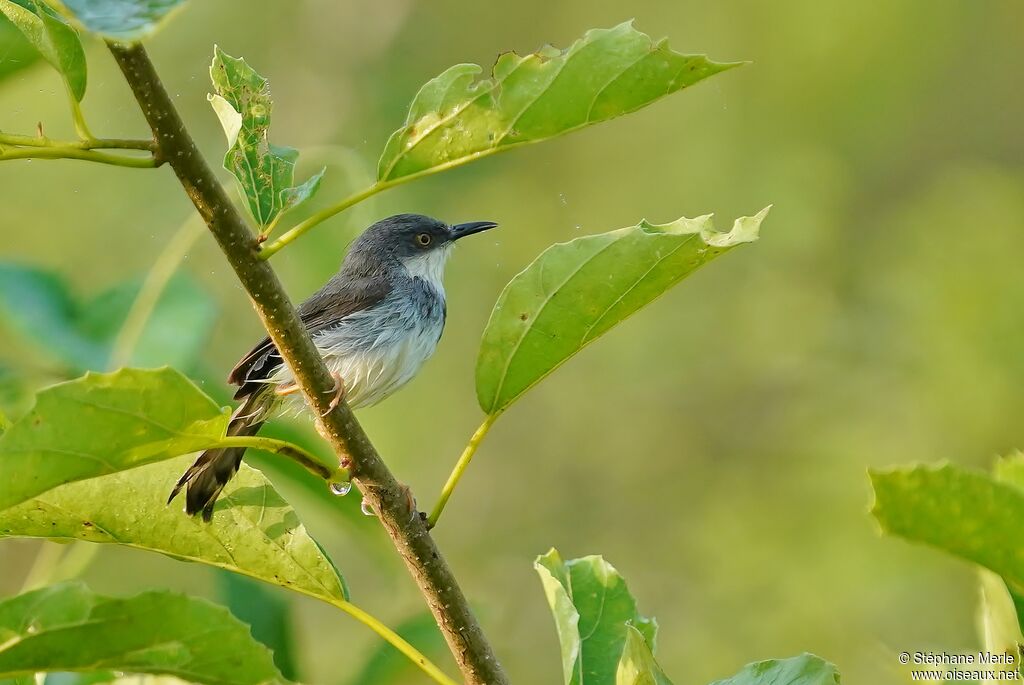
(378, 350)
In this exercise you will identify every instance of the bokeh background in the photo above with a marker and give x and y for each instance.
(714, 447)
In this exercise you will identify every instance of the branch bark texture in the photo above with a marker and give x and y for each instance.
(389, 499)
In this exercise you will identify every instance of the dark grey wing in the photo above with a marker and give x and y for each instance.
(325, 308)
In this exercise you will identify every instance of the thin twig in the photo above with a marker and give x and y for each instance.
(390, 500)
(78, 153)
(87, 144)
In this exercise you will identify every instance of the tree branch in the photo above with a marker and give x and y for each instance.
(390, 500)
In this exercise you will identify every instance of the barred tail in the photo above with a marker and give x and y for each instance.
(213, 469)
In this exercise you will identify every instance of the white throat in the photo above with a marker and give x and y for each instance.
(429, 266)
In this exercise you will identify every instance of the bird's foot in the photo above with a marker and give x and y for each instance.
(285, 389)
(339, 391)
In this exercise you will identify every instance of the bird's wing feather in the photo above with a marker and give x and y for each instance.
(328, 306)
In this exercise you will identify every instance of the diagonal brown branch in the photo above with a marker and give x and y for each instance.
(389, 499)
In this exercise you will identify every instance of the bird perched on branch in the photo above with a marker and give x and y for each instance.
(375, 323)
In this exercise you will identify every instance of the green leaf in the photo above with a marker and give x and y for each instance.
(637, 665)
(269, 614)
(18, 52)
(805, 669)
(67, 627)
(609, 72)
(55, 40)
(1000, 625)
(594, 613)
(40, 308)
(104, 423)
(388, 666)
(265, 172)
(255, 532)
(966, 513)
(576, 291)
(124, 20)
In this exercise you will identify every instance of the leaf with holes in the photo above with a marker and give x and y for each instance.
(55, 40)
(594, 612)
(123, 20)
(67, 627)
(253, 532)
(265, 173)
(455, 119)
(576, 291)
(104, 423)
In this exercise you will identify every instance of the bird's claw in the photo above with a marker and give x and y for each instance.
(339, 391)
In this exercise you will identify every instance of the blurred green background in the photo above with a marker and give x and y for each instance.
(714, 447)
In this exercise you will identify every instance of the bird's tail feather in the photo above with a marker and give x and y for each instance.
(206, 478)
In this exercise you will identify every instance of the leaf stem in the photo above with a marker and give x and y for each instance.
(395, 640)
(152, 287)
(267, 251)
(460, 467)
(76, 114)
(79, 153)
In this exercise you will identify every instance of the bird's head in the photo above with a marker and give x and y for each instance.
(420, 243)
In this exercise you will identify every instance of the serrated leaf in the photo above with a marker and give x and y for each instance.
(575, 292)
(104, 423)
(255, 532)
(55, 40)
(637, 665)
(966, 513)
(41, 309)
(67, 627)
(609, 72)
(805, 669)
(593, 613)
(123, 20)
(265, 173)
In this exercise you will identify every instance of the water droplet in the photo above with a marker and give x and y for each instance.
(561, 196)
(365, 508)
(340, 487)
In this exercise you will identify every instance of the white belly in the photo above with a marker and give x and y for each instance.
(375, 355)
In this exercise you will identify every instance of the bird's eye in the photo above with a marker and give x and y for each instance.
(423, 239)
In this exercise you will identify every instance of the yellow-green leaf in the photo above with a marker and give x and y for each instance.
(255, 532)
(967, 513)
(104, 423)
(55, 40)
(575, 292)
(608, 72)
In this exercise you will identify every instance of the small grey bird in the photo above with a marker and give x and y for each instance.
(375, 323)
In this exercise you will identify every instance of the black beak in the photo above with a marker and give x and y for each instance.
(462, 230)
